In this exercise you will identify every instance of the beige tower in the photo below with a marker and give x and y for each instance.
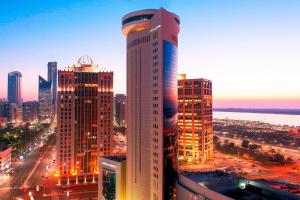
(151, 104)
(84, 120)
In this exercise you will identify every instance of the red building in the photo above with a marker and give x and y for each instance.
(195, 129)
(84, 119)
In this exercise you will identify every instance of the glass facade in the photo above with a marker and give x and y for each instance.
(109, 185)
(170, 81)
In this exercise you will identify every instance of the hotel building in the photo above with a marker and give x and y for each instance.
(84, 120)
(195, 130)
(151, 159)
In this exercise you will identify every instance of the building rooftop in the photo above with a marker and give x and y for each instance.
(115, 158)
(237, 187)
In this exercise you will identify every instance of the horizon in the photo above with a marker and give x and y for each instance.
(248, 50)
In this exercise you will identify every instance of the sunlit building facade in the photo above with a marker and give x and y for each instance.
(84, 119)
(195, 130)
(151, 104)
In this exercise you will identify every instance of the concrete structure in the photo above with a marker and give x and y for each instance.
(30, 111)
(112, 178)
(14, 90)
(52, 77)
(45, 101)
(5, 158)
(195, 126)
(119, 109)
(84, 119)
(219, 185)
(151, 104)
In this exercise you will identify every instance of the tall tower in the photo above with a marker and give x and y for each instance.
(52, 77)
(195, 129)
(151, 103)
(84, 119)
(45, 100)
(14, 94)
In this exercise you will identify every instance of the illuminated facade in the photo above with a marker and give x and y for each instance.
(5, 158)
(112, 178)
(84, 119)
(151, 114)
(195, 130)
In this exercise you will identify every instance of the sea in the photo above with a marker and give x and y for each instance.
(276, 119)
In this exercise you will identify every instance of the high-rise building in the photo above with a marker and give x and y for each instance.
(14, 94)
(30, 111)
(195, 129)
(45, 101)
(119, 109)
(52, 77)
(84, 120)
(14, 113)
(151, 104)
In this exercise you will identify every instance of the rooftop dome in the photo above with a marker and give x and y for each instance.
(85, 60)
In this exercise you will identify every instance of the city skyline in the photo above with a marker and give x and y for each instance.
(248, 49)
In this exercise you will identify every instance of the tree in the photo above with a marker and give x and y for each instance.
(245, 144)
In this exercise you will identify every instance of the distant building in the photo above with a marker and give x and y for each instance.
(52, 77)
(45, 101)
(30, 111)
(151, 116)
(112, 178)
(195, 128)
(84, 120)
(119, 104)
(5, 158)
(14, 90)
(14, 113)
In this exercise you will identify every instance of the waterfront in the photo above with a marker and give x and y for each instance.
(277, 119)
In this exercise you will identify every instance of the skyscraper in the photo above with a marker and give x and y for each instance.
(52, 77)
(45, 100)
(119, 105)
(84, 119)
(151, 104)
(14, 94)
(195, 129)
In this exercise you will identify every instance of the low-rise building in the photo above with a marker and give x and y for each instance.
(5, 158)
(112, 178)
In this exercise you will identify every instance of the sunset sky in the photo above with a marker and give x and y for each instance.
(249, 49)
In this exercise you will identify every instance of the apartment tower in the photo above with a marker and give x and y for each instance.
(151, 104)
(195, 129)
(84, 120)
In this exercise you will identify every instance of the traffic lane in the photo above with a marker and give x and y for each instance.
(41, 173)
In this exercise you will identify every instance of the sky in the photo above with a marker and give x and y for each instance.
(249, 49)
